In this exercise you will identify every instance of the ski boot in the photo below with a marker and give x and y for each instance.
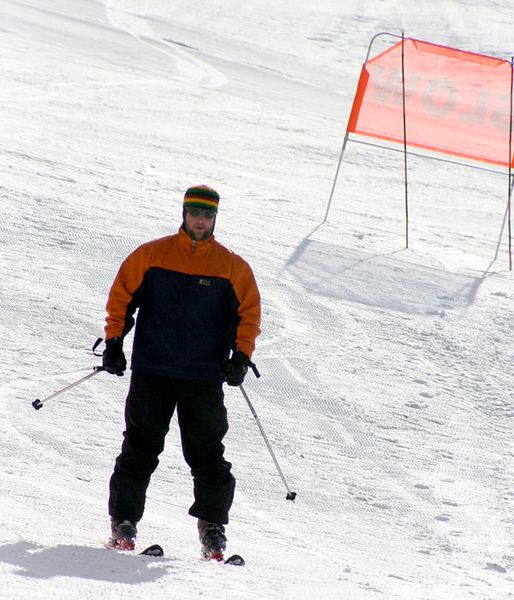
(213, 540)
(123, 535)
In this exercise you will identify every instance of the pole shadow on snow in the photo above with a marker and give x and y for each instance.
(380, 280)
(101, 564)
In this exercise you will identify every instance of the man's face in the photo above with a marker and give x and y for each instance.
(199, 223)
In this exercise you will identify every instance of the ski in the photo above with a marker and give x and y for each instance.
(157, 551)
(153, 550)
(235, 560)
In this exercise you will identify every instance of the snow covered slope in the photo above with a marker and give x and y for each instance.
(386, 384)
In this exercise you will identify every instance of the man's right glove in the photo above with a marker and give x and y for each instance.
(113, 358)
(236, 368)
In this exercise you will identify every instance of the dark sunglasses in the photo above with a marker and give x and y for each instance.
(195, 211)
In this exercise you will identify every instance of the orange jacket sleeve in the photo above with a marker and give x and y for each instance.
(122, 301)
(247, 292)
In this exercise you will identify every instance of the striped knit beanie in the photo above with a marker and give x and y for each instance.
(201, 196)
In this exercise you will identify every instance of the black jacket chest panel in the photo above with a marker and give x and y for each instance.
(186, 324)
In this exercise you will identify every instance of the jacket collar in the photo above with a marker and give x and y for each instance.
(192, 246)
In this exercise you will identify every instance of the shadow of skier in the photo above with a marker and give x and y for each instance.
(82, 562)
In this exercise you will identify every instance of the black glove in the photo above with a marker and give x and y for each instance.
(236, 368)
(113, 359)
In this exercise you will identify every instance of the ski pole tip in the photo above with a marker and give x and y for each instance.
(37, 404)
(291, 496)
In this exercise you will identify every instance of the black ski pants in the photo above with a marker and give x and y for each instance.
(202, 419)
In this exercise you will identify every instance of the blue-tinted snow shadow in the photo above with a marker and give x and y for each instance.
(381, 280)
(100, 564)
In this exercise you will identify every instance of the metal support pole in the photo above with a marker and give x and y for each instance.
(405, 172)
(509, 200)
(336, 176)
(347, 134)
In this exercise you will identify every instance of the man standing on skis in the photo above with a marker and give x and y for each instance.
(198, 317)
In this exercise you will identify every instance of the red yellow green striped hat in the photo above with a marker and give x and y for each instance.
(202, 196)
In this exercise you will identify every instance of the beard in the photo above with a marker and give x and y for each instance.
(199, 235)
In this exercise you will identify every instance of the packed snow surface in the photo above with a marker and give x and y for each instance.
(386, 386)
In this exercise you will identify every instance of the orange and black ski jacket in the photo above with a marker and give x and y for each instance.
(196, 300)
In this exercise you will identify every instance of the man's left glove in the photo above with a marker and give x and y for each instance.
(236, 368)
(113, 358)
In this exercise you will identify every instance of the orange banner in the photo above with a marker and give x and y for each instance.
(456, 102)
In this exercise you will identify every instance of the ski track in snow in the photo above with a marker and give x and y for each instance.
(386, 386)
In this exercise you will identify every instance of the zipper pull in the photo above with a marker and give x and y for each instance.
(193, 247)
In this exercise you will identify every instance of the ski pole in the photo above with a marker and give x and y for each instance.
(290, 495)
(37, 404)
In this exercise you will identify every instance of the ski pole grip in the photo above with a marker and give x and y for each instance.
(37, 404)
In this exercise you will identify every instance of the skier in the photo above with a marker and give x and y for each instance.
(198, 317)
